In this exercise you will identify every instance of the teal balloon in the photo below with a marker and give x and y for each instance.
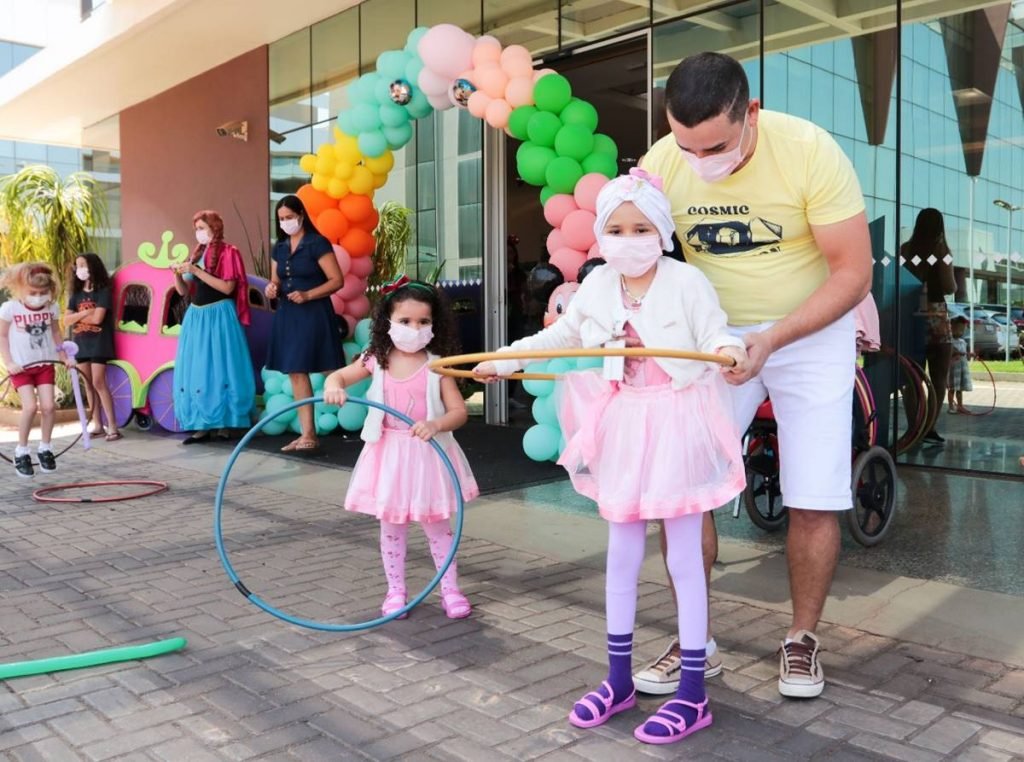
(561, 366)
(264, 372)
(419, 106)
(413, 40)
(552, 93)
(391, 64)
(286, 386)
(295, 425)
(326, 423)
(412, 71)
(586, 363)
(538, 388)
(346, 122)
(604, 144)
(543, 128)
(532, 162)
(360, 388)
(365, 117)
(272, 383)
(574, 141)
(545, 193)
(519, 121)
(396, 137)
(362, 332)
(351, 350)
(330, 409)
(540, 442)
(561, 445)
(373, 142)
(544, 410)
(601, 163)
(393, 115)
(351, 416)
(275, 427)
(562, 173)
(317, 380)
(579, 113)
(275, 403)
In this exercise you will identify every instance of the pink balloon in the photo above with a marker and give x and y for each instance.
(555, 241)
(519, 92)
(432, 83)
(491, 79)
(353, 287)
(338, 303)
(595, 251)
(569, 261)
(351, 324)
(478, 103)
(497, 114)
(447, 50)
(542, 73)
(578, 229)
(517, 61)
(362, 267)
(440, 102)
(344, 260)
(360, 306)
(557, 207)
(487, 50)
(587, 189)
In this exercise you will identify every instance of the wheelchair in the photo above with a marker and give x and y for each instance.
(873, 483)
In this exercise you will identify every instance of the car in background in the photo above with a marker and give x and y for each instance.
(988, 334)
(1016, 314)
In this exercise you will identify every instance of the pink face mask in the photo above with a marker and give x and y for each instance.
(409, 339)
(718, 166)
(631, 255)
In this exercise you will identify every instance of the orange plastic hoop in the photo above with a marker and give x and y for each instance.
(443, 365)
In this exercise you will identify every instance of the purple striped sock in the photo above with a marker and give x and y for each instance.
(691, 689)
(620, 664)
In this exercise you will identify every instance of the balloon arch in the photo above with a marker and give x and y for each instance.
(442, 67)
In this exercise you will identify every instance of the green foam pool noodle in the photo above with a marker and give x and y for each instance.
(90, 658)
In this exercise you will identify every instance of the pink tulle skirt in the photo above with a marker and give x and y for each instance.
(400, 478)
(650, 452)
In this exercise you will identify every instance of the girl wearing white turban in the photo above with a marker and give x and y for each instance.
(651, 438)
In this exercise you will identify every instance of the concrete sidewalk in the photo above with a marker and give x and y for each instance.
(916, 669)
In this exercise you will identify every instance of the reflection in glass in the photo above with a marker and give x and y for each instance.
(383, 25)
(290, 82)
(529, 23)
(465, 14)
(589, 20)
(335, 62)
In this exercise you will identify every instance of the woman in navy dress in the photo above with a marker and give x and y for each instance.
(304, 335)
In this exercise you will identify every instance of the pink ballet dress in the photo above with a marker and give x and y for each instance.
(643, 450)
(400, 478)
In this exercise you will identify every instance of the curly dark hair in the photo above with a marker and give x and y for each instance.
(445, 341)
(97, 273)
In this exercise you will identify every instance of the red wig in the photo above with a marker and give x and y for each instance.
(213, 219)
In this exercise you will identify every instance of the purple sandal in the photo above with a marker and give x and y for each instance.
(674, 723)
(596, 702)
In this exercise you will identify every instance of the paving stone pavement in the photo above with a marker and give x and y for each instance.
(496, 686)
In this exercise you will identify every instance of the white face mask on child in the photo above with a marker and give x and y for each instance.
(82, 273)
(631, 255)
(409, 339)
(38, 301)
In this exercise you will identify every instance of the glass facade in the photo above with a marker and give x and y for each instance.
(925, 98)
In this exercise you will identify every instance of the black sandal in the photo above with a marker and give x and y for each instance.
(199, 436)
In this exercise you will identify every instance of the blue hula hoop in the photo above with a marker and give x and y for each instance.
(218, 507)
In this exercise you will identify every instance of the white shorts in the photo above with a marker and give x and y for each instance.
(810, 383)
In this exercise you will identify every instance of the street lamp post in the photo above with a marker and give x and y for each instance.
(1010, 209)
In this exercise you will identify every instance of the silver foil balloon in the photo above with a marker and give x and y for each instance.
(401, 92)
(460, 92)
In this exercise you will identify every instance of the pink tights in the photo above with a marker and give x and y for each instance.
(392, 552)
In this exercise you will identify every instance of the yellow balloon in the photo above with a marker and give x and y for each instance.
(379, 181)
(336, 188)
(325, 151)
(308, 163)
(343, 170)
(382, 164)
(324, 165)
(361, 181)
(346, 148)
(320, 182)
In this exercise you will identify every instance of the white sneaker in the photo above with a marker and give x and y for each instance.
(800, 672)
(661, 676)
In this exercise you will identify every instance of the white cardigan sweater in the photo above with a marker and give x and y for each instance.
(374, 424)
(680, 311)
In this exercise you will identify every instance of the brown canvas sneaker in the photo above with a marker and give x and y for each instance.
(661, 676)
(800, 673)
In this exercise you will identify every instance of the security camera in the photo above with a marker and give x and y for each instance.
(239, 130)
(278, 138)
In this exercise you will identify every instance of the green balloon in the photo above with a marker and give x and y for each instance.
(602, 163)
(543, 127)
(326, 423)
(563, 173)
(574, 141)
(519, 121)
(362, 337)
(552, 93)
(351, 350)
(540, 442)
(316, 380)
(533, 162)
(535, 387)
(605, 145)
(545, 193)
(544, 411)
(351, 416)
(272, 383)
(580, 113)
(275, 427)
(275, 403)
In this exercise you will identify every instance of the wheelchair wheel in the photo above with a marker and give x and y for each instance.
(874, 496)
(763, 494)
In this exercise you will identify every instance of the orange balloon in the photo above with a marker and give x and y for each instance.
(316, 202)
(332, 225)
(356, 207)
(369, 224)
(358, 243)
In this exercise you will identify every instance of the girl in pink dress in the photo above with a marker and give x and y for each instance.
(647, 438)
(399, 477)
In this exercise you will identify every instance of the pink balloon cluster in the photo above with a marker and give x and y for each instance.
(446, 52)
(503, 79)
(350, 300)
(573, 242)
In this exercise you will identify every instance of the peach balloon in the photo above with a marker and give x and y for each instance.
(344, 260)
(555, 241)
(587, 189)
(478, 103)
(558, 207)
(362, 267)
(578, 229)
(542, 73)
(569, 261)
(517, 61)
(487, 50)
(497, 114)
(519, 92)
(491, 79)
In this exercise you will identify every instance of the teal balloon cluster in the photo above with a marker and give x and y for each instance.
(384, 103)
(278, 394)
(544, 440)
(560, 144)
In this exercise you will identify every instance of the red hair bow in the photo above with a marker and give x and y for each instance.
(397, 283)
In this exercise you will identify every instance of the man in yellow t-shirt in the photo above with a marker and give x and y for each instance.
(769, 208)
